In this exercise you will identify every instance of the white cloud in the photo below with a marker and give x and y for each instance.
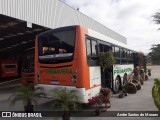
(131, 18)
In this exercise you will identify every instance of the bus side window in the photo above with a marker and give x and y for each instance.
(117, 55)
(105, 47)
(92, 50)
(131, 57)
(123, 56)
(94, 47)
(113, 50)
(101, 48)
(128, 55)
(88, 47)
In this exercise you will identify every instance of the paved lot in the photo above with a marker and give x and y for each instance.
(141, 101)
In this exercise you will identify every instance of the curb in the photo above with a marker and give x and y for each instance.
(10, 81)
(3, 83)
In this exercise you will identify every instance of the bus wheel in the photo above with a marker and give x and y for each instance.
(117, 85)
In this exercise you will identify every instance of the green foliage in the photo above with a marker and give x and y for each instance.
(156, 17)
(65, 100)
(106, 60)
(27, 94)
(156, 93)
(154, 55)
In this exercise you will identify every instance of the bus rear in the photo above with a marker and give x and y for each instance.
(61, 61)
(28, 67)
(8, 68)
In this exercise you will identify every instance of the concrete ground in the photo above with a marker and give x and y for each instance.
(141, 101)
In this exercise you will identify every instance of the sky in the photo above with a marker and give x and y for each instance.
(130, 18)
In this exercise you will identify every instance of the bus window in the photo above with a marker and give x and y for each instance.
(94, 47)
(101, 48)
(117, 55)
(117, 52)
(88, 47)
(56, 47)
(131, 57)
(113, 50)
(123, 56)
(122, 53)
(128, 55)
(92, 51)
(105, 48)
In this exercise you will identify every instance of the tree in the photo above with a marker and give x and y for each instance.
(155, 50)
(106, 60)
(65, 100)
(154, 55)
(157, 18)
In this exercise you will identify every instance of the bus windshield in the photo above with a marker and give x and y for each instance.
(56, 46)
(28, 63)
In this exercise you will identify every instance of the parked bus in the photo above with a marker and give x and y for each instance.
(8, 68)
(28, 67)
(67, 58)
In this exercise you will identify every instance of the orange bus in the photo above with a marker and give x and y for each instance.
(27, 72)
(67, 58)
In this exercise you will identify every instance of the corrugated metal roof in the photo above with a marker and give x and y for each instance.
(15, 36)
(52, 14)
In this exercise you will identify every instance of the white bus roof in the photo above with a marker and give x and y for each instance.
(104, 38)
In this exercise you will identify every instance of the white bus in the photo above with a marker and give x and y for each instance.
(67, 58)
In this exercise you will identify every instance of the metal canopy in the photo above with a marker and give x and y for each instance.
(15, 36)
(53, 14)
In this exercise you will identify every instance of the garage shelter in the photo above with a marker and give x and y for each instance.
(22, 20)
